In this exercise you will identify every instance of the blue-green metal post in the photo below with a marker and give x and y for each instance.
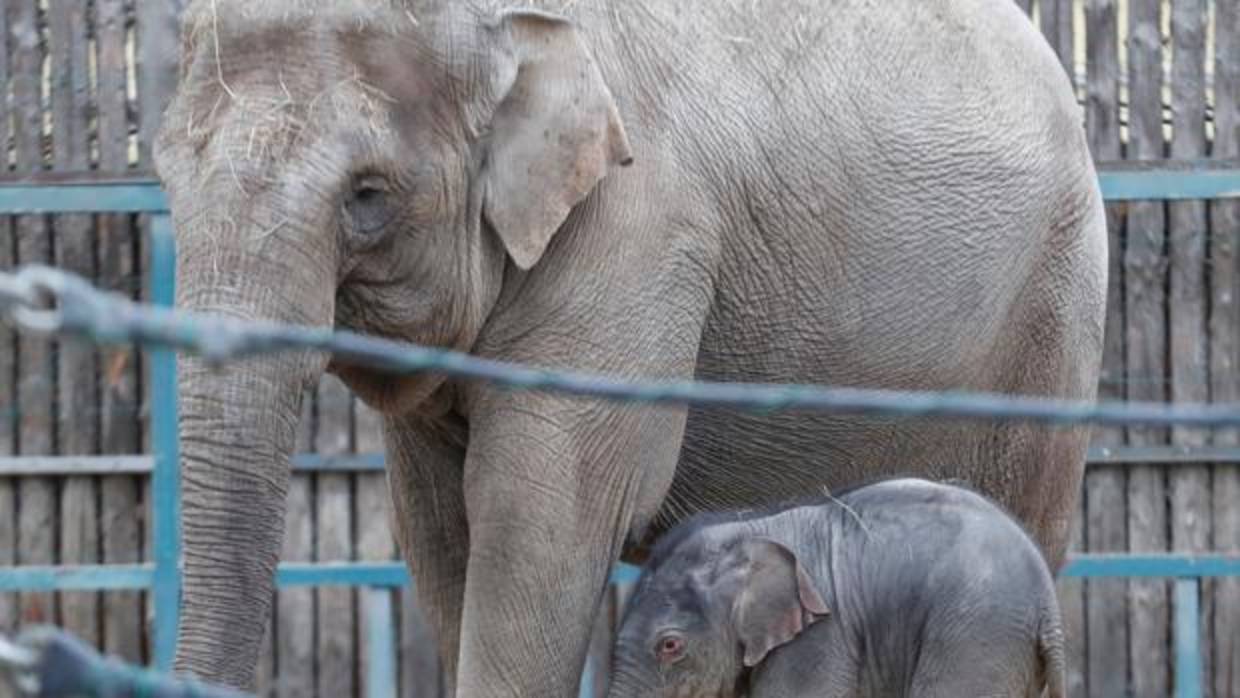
(166, 477)
(1187, 638)
(588, 678)
(381, 644)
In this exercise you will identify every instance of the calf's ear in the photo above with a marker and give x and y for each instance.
(776, 599)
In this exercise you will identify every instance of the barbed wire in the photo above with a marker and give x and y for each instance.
(51, 301)
(17, 665)
(46, 662)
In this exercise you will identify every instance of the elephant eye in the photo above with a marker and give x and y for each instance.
(670, 648)
(367, 195)
(369, 206)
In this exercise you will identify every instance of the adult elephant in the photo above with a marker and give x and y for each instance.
(894, 194)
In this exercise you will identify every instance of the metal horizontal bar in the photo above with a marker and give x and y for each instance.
(76, 577)
(394, 574)
(1174, 165)
(1162, 455)
(47, 466)
(365, 574)
(360, 462)
(43, 466)
(1170, 185)
(75, 465)
(1157, 180)
(127, 196)
(1167, 455)
(73, 178)
(1151, 565)
(380, 574)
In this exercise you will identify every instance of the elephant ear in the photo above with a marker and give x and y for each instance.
(554, 134)
(776, 599)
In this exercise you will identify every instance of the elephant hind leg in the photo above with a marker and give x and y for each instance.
(978, 660)
(1048, 501)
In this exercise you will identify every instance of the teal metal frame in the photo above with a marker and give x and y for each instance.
(162, 576)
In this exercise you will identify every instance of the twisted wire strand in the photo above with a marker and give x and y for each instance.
(67, 304)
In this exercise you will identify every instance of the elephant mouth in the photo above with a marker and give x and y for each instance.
(394, 393)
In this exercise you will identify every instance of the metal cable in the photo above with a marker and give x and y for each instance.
(14, 292)
(17, 665)
(77, 308)
(49, 663)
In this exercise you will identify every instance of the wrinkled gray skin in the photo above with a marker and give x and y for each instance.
(892, 194)
(902, 588)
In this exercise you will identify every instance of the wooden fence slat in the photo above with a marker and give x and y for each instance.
(305, 423)
(336, 607)
(159, 31)
(75, 250)
(421, 671)
(295, 606)
(333, 419)
(117, 251)
(1225, 346)
(368, 427)
(1056, 19)
(8, 552)
(1106, 645)
(1071, 593)
(8, 355)
(121, 513)
(1189, 485)
(146, 77)
(120, 525)
(293, 629)
(337, 620)
(1105, 658)
(1145, 271)
(36, 497)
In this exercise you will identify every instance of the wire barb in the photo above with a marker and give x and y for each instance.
(14, 292)
(75, 307)
(30, 297)
(18, 664)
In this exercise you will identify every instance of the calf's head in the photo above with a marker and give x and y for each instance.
(708, 611)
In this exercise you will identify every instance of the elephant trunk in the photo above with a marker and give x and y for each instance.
(238, 427)
(627, 680)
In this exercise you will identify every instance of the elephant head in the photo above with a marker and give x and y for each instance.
(370, 165)
(703, 616)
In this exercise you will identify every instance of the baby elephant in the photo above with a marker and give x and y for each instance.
(900, 588)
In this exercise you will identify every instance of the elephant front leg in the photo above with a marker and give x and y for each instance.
(550, 500)
(425, 467)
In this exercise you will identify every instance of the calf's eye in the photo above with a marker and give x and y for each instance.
(670, 648)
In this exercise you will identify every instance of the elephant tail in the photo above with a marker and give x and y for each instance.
(1051, 649)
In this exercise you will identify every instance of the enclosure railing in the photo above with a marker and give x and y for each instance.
(1119, 182)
